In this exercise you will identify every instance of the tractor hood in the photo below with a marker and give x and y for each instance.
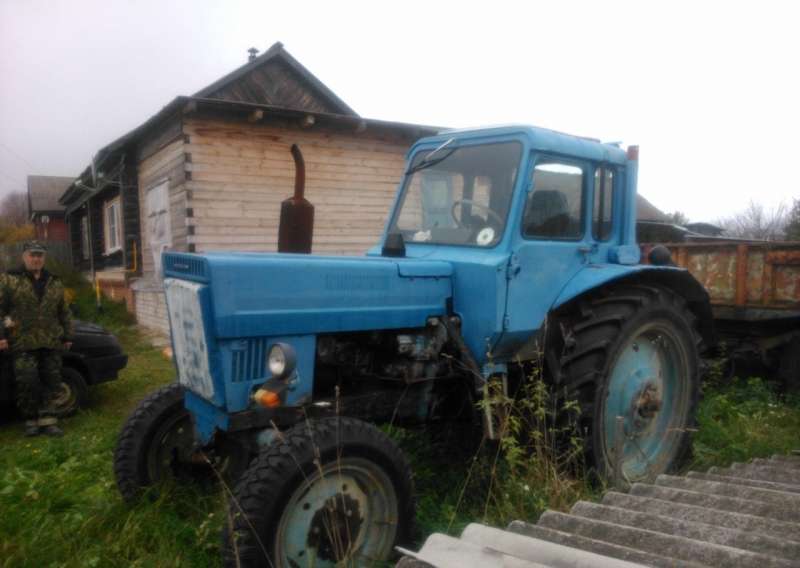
(256, 294)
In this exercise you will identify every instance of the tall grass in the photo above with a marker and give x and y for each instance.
(535, 465)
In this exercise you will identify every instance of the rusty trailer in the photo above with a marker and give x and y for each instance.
(754, 289)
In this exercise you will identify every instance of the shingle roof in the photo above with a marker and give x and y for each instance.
(44, 192)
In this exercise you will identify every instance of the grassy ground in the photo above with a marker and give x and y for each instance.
(60, 506)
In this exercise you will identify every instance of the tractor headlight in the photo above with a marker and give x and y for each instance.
(281, 360)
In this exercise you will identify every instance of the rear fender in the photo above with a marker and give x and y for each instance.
(679, 280)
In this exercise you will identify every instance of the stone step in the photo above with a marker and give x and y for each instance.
(515, 545)
(715, 474)
(764, 473)
(779, 499)
(596, 546)
(793, 460)
(694, 513)
(675, 547)
(753, 542)
(443, 551)
(723, 503)
(789, 465)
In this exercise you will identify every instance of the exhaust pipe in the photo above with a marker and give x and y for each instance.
(296, 228)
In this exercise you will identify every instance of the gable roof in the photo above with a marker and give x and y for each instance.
(646, 211)
(276, 78)
(44, 191)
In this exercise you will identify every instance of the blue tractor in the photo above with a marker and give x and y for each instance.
(505, 246)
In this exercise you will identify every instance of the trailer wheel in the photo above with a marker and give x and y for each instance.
(330, 492)
(632, 351)
(156, 444)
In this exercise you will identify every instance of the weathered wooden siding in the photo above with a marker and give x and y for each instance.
(275, 83)
(239, 173)
(167, 163)
(130, 213)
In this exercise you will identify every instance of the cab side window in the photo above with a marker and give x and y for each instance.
(603, 203)
(554, 209)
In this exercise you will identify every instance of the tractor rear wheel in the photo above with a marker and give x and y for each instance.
(631, 351)
(330, 492)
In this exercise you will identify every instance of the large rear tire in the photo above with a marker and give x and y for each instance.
(336, 490)
(632, 351)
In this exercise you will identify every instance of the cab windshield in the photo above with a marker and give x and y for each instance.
(460, 196)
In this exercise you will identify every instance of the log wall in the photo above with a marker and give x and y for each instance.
(238, 174)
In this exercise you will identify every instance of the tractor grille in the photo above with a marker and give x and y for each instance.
(185, 264)
(188, 336)
(249, 360)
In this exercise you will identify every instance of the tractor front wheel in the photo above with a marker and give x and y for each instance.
(329, 492)
(156, 444)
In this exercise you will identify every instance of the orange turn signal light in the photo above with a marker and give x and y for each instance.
(267, 398)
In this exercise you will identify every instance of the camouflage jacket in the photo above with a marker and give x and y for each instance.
(29, 321)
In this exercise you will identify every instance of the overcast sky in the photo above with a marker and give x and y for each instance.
(709, 91)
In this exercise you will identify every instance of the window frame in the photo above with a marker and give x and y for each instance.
(115, 206)
(515, 189)
(606, 167)
(555, 158)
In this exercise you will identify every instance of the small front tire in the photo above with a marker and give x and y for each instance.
(157, 444)
(330, 491)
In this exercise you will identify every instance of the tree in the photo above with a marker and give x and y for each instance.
(14, 208)
(793, 222)
(757, 223)
(678, 218)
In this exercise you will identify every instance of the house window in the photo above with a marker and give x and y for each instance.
(85, 237)
(111, 226)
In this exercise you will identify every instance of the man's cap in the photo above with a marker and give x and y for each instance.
(34, 246)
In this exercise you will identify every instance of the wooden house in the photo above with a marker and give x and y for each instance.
(46, 213)
(208, 172)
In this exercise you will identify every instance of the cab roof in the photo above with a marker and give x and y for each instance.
(541, 139)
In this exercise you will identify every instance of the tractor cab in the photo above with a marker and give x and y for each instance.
(519, 212)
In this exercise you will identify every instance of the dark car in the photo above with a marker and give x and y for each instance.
(95, 357)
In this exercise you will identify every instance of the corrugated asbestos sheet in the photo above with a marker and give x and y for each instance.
(743, 515)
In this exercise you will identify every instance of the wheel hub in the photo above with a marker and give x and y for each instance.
(647, 402)
(335, 527)
(647, 388)
(345, 513)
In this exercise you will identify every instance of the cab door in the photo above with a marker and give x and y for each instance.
(568, 223)
(552, 244)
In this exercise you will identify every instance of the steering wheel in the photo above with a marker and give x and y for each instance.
(489, 211)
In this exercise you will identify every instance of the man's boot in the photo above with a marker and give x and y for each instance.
(49, 427)
(31, 428)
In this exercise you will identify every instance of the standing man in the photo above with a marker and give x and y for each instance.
(35, 325)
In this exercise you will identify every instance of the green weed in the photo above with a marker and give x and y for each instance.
(742, 420)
